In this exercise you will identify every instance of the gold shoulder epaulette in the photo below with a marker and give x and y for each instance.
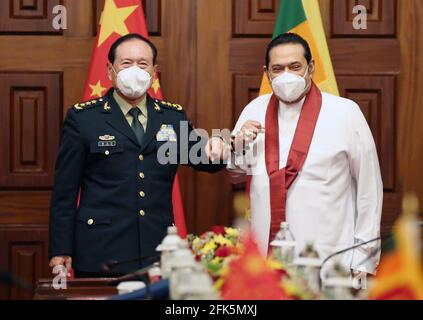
(88, 104)
(171, 106)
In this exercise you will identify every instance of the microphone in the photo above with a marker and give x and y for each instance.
(375, 251)
(141, 274)
(352, 248)
(372, 254)
(112, 264)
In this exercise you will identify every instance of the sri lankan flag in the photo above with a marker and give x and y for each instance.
(400, 274)
(303, 17)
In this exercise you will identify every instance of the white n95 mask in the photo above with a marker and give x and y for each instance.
(133, 82)
(289, 86)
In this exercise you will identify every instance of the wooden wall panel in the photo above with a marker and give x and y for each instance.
(213, 105)
(30, 128)
(410, 84)
(381, 18)
(21, 207)
(365, 56)
(382, 56)
(254, 18)
(41, 71)
(27, 17)
(24, 251)
(177, 61)
(246, 88)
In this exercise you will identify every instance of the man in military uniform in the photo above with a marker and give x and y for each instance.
(109, 156)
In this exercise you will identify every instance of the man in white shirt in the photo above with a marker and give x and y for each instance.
(311, 160)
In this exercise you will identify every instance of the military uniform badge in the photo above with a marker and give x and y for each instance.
(166, 133)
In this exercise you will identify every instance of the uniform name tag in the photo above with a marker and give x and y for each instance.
(107, 143)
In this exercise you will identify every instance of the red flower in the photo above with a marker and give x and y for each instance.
(250, 278)
(223, 252)
(218, 229)
(282, 273)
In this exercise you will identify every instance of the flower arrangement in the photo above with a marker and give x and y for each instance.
(215, 248)
(224, 250)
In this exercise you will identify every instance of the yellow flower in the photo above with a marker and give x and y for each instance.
(294, 290)
(216, 260)
(232, 232)
(196, 243)
(274, 264)
(208, 247)
(290, 288)
(221, 240)
(219, 284)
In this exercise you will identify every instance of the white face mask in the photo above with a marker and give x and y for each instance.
(133, 82)
(288, 86)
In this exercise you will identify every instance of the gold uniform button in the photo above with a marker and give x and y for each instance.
(142, 194)
(90, 222)
(142, 175)
(107, 152)
(142, 213)
(141, 157)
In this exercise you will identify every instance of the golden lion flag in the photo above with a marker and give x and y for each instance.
(400, 274)
(303, 17)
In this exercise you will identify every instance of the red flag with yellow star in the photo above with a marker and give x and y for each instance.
(120, 17)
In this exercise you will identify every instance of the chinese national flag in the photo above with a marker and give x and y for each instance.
(120, 17)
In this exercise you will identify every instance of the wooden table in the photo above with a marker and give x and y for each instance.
(77, 289)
